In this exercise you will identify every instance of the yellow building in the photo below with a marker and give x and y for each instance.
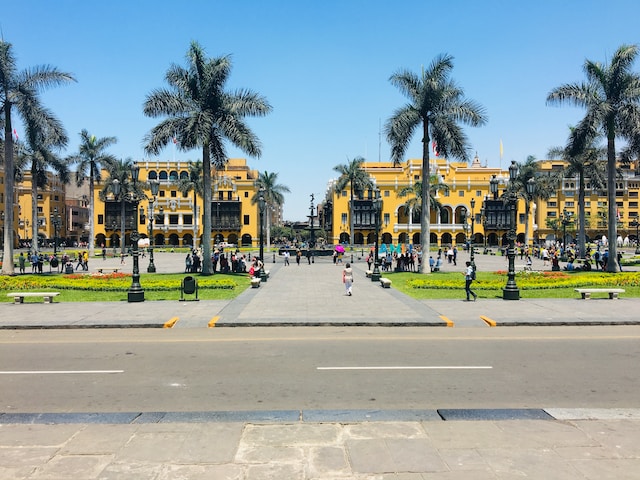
(558, 215)
(234, 219)
(452, 225)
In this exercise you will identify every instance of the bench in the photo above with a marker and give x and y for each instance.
(368, 273)
(105, 269)
(385, 282)
(255, 282)
(586, 292)
(18, 297)
(525, 268)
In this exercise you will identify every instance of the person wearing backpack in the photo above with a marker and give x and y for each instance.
(469, 276)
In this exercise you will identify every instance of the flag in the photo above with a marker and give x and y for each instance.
(175, 140)
(15, 135)
(501, 149)
(434, 146)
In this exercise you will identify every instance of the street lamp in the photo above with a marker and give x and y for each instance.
(473, 220)
(511, 291)
(261, 206)
(136, 293)
(636, 224)
(377, 208)
(566, 220)
(56, 221)
(155, 186)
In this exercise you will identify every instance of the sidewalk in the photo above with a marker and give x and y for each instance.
(480, 444)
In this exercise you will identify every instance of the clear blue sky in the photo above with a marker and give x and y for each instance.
(324, 66)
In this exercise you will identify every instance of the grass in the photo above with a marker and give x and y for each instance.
(114, 287)
(450, 285)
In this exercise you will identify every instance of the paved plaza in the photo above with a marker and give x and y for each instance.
(404, 445)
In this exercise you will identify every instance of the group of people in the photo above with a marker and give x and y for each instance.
(37, 261)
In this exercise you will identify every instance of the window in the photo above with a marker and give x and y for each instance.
(344, 219)
(552, 204)
(478, 193)
(173, 219)
(386, 193)
(185, 194)
(446, 193)
(587, 204)
(174, 194)
(387, 219)
(39, 196)
(40, 210)
(552, 214)
(246, 194)
(100, 219)
(56, 198)
(461, 193)
(521, 218)
(187, 219)
(569, 204)
(633, 204)
(633, 194)
(245, 219)
(161, 193)
(344, 193)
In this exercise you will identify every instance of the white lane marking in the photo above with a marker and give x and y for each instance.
(442, 367)
(54, 372)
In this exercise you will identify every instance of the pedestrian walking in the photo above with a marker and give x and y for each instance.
(469, 276)
(298, 255)
(347, 278)
(286, 258)
(21, 262)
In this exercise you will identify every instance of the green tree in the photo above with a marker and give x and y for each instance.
(193, 183)
(357, 179)
(91, 159)
(611, 97)
(414, 192)
(200, 113)
(129, 192)
(585, 161)
(19, 94)
(273, 194)
(437, 105)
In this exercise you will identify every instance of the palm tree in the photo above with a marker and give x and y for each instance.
(611, 97)
(91, 159)
(201, 114)
(586, 162)
(19, 94)
(358, 180)
(39, 153)
(437, 105)
(273, 194)
(129, 191)
(414, 192)
(193, 183)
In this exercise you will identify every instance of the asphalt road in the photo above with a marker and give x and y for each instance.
(318, 368)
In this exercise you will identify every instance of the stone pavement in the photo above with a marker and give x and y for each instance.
(404, 445)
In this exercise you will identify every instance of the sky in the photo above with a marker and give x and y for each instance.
(324, 66)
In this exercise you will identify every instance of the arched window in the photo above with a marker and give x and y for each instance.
(163, 175)
(184, 175)
(152, 175)
(173, 175)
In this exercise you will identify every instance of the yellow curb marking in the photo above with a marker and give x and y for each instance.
(212, 322)
(171, 322)
(447, 321)
(488, 321)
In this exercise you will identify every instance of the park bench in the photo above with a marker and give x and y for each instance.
(385, 282)
(255, 282)
(368, 273)
(18, 297)
(108, 269)
(586, 292)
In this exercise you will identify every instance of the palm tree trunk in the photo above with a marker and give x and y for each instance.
(527, 212)
(351, 228)
(195, 219)
(612, 264)
(581, 229)
(268, 212)
(92, 232)
(7, 263)
(426, 208)
(34, 209)
(206, 224)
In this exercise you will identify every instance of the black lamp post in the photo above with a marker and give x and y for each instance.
(136, 293)
(566, 220)
(56, 221)
(261, 206)
(377, 208)
(155, 186)
(473, 220)
(511, 291)
(636, 224)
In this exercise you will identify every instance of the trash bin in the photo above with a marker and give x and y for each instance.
(189, 286)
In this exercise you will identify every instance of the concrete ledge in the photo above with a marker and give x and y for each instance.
(494, 414)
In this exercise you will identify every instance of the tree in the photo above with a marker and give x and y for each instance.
(19, 93)
(273, 194)
(129, 191)
(193, 183)
(201, 114)
(437, 105)
(611, 97)
(414, 192)
(39, 154)
(586, 162)
(358, 180)
(91, 159)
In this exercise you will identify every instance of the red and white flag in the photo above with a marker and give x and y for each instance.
(434, 146)
(15, 135)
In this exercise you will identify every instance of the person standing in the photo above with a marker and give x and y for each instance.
(298, 255)
(347, 278)
(469, 276)
(21, 262)
(286, 258)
